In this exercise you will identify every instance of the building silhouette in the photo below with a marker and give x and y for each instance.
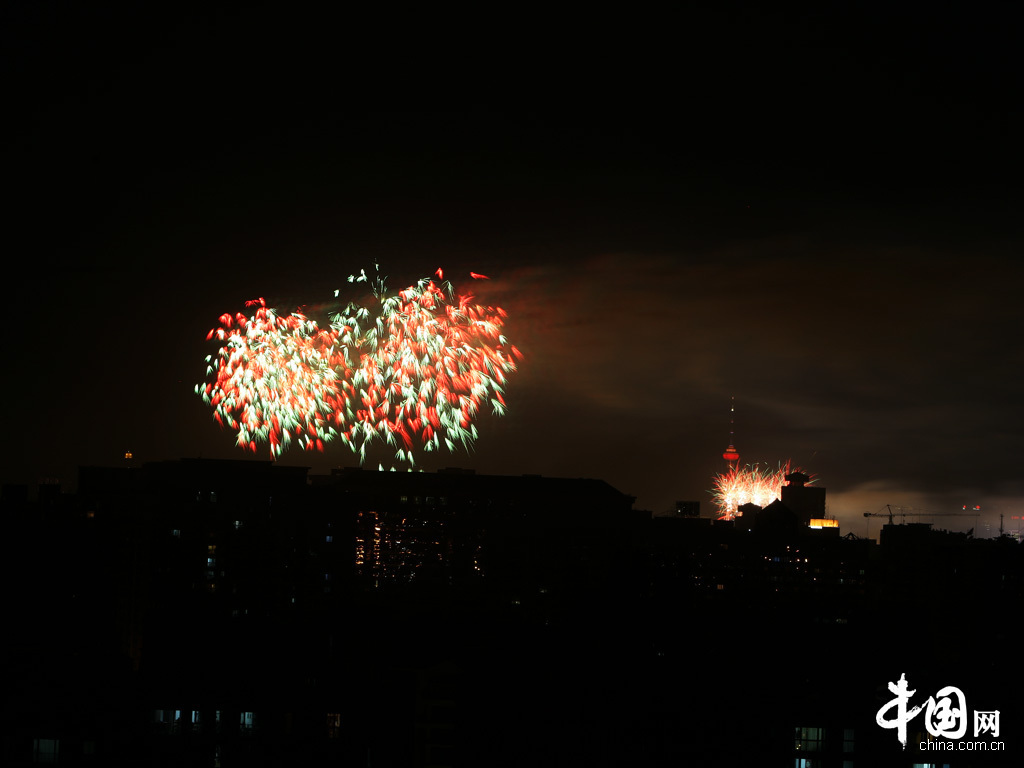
(228, 613)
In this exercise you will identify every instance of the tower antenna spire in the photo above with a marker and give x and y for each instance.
(731, 454)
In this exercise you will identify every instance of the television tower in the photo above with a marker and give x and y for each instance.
(731, 454)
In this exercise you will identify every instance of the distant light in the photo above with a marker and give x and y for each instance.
(128, 454)
(823, 522)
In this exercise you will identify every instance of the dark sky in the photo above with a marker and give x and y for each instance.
(818, 216)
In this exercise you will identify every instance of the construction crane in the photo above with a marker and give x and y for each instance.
(903, 513)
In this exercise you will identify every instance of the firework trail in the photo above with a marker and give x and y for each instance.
(748, 485)
(411, 369)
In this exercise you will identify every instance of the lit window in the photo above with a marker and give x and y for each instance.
(238, 524)
(45, 750)
(245, 721)
(847, 732)
(329, 539)
(333, 725)
(808, 739)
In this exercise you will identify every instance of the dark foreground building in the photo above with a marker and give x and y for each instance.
(236, 613)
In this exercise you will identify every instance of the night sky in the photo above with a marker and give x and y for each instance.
(818, 216)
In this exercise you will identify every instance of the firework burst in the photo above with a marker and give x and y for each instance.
(411, 369)
(748, 485)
